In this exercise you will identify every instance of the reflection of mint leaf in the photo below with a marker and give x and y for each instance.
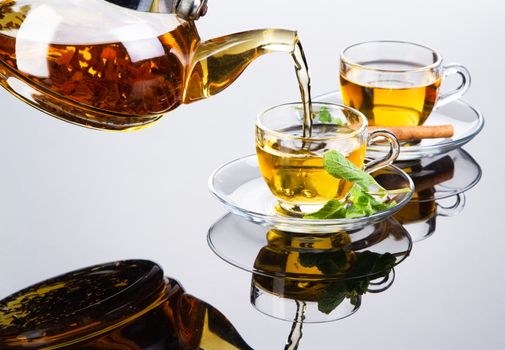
(365, 267)
(331, 297)
(338, 166)
(333, 209)
(329, 263)
(372, 264)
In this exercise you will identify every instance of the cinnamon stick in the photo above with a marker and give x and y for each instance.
(407, 133)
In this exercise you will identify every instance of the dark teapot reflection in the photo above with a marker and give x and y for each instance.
(121, 305)
(320, 278)
(96, 64)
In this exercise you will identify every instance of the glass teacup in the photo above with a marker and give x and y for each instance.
(396, 83)
(292, 165)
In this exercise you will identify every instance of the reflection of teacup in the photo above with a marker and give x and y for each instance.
(396, 83)
(292, 165)
(325, 274)
(420, 216)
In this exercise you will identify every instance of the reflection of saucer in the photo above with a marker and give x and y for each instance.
(442, 176)
(239, 243)
(241, 188)
(467, 122)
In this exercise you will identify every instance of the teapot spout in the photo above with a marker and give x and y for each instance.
(218, 62)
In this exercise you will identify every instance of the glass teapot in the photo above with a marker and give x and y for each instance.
(117, 64)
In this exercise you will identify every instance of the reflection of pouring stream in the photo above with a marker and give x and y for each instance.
(295, 336)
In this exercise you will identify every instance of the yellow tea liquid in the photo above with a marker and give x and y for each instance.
(295, 173)
(391, 102)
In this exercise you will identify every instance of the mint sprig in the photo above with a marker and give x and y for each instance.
(326, 117)
(337, 165)
(359, 202)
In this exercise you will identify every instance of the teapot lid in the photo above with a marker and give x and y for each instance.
(186, 9)
(87, 302)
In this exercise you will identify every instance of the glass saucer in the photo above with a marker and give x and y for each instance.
(241, 188)
(467, 121)
(240, 243)
(442, 176)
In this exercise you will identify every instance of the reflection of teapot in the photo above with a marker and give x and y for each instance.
(96, 64)
(121, 305)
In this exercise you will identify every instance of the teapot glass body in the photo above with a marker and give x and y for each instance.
(100, 65)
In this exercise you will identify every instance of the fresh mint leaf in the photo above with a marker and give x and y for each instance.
(338, 166)
(359, 202)
(325, 115)
(364, 204)
(333, 209)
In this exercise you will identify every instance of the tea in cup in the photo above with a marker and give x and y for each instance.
(292, 165)
(396, 83)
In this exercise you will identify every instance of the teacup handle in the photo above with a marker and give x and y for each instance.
(383, 284)
(394, 150)
(453, 95)
(455, 209)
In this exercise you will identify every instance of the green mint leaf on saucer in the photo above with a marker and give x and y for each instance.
(364, 204)
(360, 201)
(337, 165)
(333, 209)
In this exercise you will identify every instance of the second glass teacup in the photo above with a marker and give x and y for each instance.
(292, 165)
(397, 83)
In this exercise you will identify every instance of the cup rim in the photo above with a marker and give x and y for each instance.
(431, 66)
(360, 130)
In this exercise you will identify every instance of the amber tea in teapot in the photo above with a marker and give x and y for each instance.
(96, 64)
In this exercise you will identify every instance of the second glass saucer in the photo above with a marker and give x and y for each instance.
(466, 119)
(241, 188)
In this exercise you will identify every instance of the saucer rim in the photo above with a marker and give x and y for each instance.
(418, 152)
(269, 220)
